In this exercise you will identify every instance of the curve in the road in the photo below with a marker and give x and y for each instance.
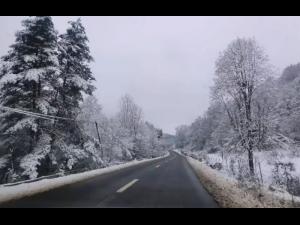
(168, 182)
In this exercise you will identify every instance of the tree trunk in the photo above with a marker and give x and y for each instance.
(251, 161)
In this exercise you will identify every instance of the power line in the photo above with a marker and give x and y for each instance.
(38, 115)
(50, 117)
(30, 114)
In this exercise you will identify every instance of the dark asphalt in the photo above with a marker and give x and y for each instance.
(164, 183)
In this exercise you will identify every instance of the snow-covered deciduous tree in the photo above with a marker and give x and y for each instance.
(264, 103)
(91, 112)
(240, 70)
(95, 125)
(122, 137)
(288, 102)
(141, 138)
(147, 142)
(130, 115)
(182, 136)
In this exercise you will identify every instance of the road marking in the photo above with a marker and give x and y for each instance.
(125, 187)
(157, 166)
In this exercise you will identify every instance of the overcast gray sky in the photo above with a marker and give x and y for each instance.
(167, 63)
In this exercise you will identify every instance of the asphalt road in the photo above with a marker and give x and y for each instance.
(164, 183)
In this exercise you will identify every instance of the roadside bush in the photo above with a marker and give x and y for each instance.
(283, 176)
(216, 166)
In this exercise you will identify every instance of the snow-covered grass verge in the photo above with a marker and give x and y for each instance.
(265, 162)
(228, 193)
(28, 189)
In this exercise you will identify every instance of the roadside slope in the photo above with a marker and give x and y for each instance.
(228, 194)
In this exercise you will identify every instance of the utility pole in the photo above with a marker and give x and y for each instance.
(99, 140)
(12, 158)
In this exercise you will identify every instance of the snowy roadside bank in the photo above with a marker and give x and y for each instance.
(228, 194)
(28, 189)
(178, 152)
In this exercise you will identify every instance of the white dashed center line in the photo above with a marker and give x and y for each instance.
(157, 166)
(125, 187)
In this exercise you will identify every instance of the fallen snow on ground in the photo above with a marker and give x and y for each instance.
(229, 194)
(224, 189)
(233, 164)
(28, 189)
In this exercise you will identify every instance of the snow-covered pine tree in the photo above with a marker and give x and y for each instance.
(76, 76)
(75, 81)
(28, 78)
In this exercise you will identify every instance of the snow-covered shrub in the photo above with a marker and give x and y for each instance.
(3, 161)
(284, 177)
(10, 176)
(30, 162)
(214, 150)
(75, 157)
(216, 166)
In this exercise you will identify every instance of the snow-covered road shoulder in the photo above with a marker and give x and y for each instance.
(228, 194)
(11, 193)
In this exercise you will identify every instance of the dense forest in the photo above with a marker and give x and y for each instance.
(50, 122)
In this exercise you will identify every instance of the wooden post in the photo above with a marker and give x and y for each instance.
(99, 139)
(12, 158)
(261, 175)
